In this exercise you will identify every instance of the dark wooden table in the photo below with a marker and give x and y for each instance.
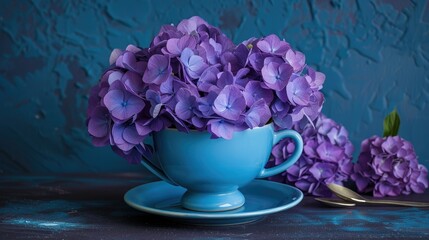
(92, 207)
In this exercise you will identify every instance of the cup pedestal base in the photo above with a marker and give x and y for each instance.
(212, 202)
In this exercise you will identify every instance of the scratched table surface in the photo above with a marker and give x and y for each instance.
(92, 207)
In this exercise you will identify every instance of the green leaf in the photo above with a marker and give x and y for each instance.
(391, 124)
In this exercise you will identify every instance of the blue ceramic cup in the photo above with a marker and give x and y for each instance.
(212, 170)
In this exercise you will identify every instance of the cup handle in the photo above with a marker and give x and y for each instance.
(147, 163)
(268, 172)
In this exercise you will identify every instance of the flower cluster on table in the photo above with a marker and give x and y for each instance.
(389, 167)
(327, 157)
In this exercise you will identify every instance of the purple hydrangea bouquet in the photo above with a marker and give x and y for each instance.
(193, 77)
(327, 157)
(388, 166)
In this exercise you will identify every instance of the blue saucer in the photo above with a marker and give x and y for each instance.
(262, 198)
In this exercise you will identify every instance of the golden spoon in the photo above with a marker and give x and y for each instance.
(351, 196)
(335, 202)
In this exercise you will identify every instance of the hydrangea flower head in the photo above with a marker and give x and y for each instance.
(192, 76)
(388, 166)
(324, 159)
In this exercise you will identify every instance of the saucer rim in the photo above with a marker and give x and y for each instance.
(214, 215)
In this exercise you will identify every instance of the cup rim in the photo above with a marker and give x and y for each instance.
(271, 124)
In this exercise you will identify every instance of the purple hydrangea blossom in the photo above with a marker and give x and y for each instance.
(175, 46)
(192, 76)
(327, 157)
(114, 55)
(258, 114)
(125, 137)
(186, 104)
(276, 75)
(145, 126)
(155, 101)
(193, 64)
(208, 79)
(133, 83)
(295, 59)
(99, 126)
(158, 69)
(273, 45)
(389, 167)
(298, 91)
(129, 61)
(221, 128)
(230, 103)
(280, 114)
(223, 79)
(256, 60)
(121, 103)
(205, 104)
(189, 26)
(315, 79)
(254, 91)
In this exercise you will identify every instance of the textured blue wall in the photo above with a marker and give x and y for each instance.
(375, 55)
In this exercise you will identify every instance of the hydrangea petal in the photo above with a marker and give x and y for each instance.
(276, 76)
(158, 69)
(253, 91)
(258, 115)
(98, 125)
(296, 59)
(298, 91)
(272, 44)
(194, 65)
(221, 128)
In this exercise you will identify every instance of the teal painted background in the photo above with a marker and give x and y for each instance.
(375, 55)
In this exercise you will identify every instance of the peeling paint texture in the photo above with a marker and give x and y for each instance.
(375, 55)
